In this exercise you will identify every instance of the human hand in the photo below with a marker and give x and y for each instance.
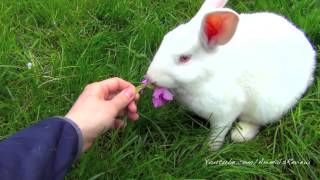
(100, 106)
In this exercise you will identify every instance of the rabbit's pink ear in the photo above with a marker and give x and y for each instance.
(219, 27)
(207, 7)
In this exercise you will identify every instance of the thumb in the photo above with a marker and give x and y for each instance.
(122, 99)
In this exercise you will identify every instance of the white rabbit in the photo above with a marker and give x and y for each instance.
(224, 66)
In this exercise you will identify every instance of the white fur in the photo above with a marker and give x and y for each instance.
(256, 77)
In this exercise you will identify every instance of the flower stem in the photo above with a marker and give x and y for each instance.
(143, 86)
(140, 87)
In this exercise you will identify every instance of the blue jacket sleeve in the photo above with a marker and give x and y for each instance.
(43, 151)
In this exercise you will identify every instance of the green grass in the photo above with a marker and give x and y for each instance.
(72, 43)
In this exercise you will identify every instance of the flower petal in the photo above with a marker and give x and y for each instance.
(158, 102)
(157, 92)
(167, 95)
(145, 81)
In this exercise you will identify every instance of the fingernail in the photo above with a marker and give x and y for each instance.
(129, 92)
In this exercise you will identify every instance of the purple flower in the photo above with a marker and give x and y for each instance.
(161, 96)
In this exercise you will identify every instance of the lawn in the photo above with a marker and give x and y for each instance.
(74, 42)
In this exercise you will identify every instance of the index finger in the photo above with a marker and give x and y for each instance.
(114, 85)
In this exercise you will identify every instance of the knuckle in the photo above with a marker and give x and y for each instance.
(90, 86)
(116, 78)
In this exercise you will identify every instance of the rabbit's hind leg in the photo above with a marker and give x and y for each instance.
(244, 131)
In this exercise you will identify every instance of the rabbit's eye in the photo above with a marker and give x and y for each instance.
(184, 58)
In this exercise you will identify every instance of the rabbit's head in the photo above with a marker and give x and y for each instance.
(184, 52)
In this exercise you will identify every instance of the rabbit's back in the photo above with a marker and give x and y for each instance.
(276, 64)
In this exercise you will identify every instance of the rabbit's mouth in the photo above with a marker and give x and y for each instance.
(161, 81)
